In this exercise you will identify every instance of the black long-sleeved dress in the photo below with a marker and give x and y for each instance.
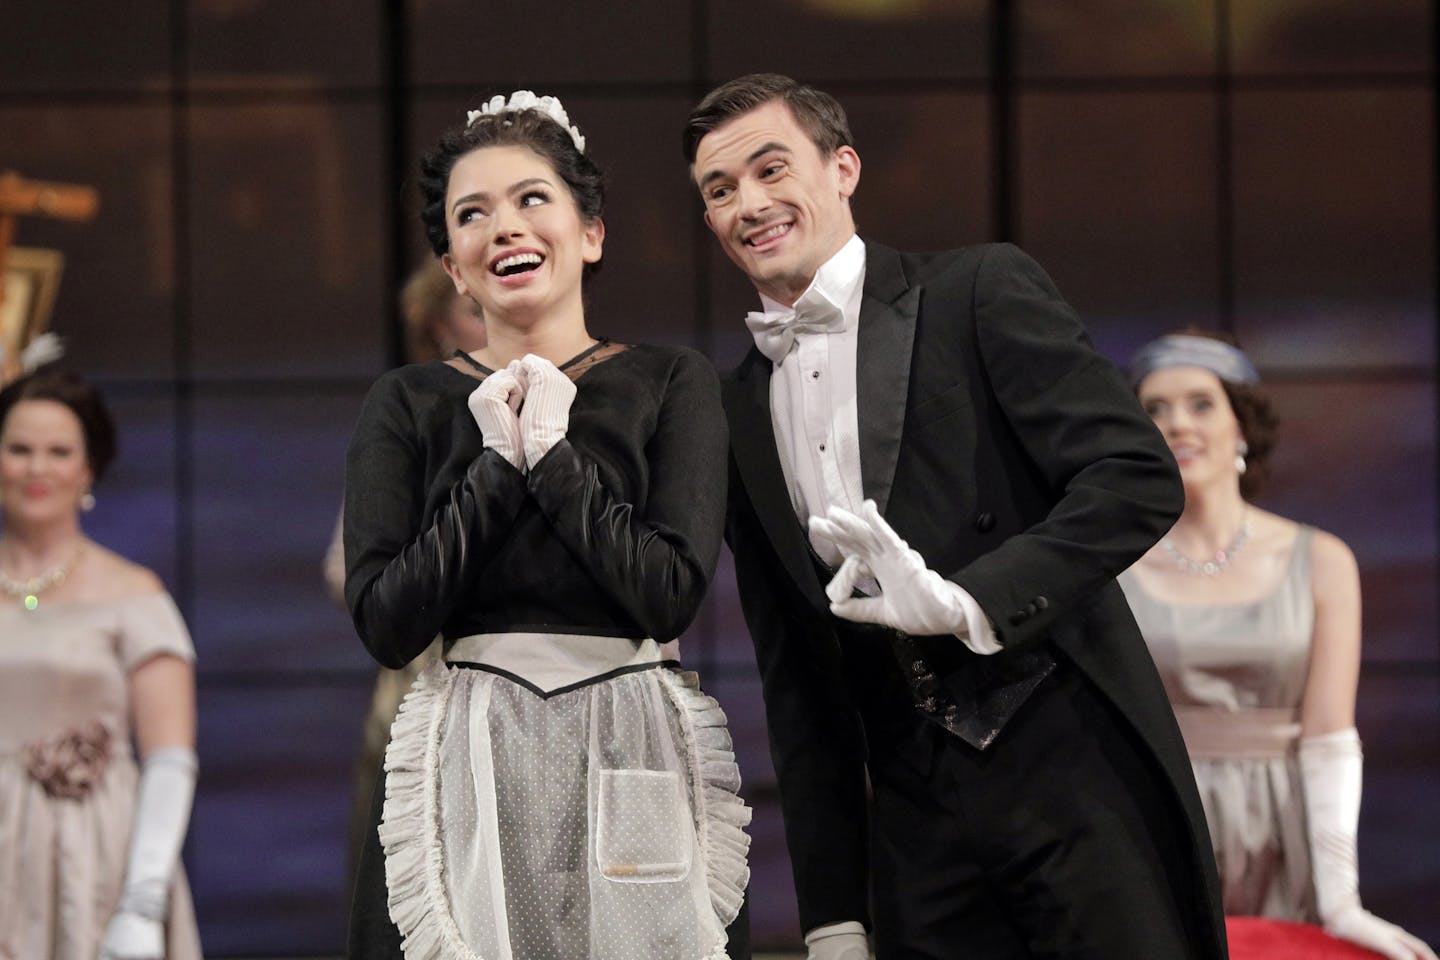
(613, 534)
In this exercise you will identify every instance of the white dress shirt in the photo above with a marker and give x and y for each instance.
(813, 410)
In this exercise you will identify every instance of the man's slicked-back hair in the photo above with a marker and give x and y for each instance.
(819, 114)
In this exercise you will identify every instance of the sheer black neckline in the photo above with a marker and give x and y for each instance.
(578, 358)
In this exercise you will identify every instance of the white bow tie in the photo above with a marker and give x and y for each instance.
(775, 330)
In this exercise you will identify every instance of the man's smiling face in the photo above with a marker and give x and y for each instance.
(779, 207)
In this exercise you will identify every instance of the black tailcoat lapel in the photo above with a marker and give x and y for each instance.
(888, 310)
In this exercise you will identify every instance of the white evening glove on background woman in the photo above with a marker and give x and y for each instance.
(1330, 769)
(162, 814)
(837, 941)
(545, 417)
(494, 405)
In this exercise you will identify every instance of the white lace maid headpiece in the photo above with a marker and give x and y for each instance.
(526, 100)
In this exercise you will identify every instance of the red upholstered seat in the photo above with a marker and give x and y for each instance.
(1252, 938)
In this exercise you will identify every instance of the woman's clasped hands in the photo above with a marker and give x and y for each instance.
(523, 409)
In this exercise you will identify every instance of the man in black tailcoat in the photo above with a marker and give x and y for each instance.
(935, 479)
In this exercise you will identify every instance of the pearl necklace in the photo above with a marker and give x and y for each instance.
(1216, 565)
(28, 591)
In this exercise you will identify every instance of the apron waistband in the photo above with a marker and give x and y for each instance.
(551, 663)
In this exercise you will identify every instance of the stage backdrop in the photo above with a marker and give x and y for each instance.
(1263, 166)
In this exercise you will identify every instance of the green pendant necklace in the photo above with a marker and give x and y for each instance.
(28, 591)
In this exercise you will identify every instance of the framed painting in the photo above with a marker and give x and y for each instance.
(31, 281)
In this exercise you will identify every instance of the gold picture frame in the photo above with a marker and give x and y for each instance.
(31, 282)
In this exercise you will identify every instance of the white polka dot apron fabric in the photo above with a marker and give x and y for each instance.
(553, 797)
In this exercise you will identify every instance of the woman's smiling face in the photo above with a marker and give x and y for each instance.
(1191, 409)
(518, 244)
(44, 468)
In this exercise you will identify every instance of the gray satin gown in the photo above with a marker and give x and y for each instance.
(1235, 674)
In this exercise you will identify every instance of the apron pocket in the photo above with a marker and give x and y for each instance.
(641, 833)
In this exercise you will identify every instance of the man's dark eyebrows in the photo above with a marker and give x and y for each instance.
(771, 147)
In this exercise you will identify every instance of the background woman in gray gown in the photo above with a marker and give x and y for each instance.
(1254, 622)
(93, 655)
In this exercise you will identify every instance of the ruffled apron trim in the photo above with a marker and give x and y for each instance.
(414, 857)
(721, 815)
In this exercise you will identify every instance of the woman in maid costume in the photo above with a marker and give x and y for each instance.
(552, 504)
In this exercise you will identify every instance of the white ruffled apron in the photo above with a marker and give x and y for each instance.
(554, 797)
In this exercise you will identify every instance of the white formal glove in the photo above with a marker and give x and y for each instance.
(46, 348)
(495, 405)
(837, 941)
(1330, 770)
(546, 414)
(913, 598)
(162, 814)
(133, 937)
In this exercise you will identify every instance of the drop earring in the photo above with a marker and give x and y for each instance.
(87, 501)
(1241, 449)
